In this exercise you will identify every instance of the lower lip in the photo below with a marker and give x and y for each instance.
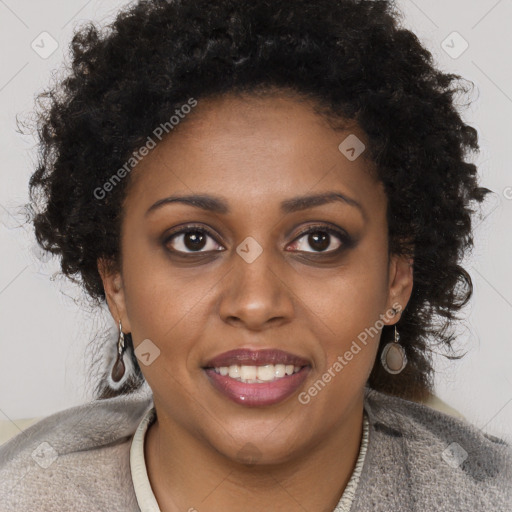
(259, 393)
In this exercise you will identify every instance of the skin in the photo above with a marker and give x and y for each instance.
(255, 153)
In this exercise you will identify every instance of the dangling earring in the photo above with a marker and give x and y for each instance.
(118, 370)
(393, 357)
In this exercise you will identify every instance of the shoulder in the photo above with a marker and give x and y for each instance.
(79, 456)
(425, 456)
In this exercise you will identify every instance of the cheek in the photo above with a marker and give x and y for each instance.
(166, 305)
(350, 309)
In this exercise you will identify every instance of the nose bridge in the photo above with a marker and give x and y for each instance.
(253, 265)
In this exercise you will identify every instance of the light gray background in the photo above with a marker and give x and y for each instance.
(44, 332)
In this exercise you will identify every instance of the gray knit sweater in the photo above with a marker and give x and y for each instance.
(418, 459)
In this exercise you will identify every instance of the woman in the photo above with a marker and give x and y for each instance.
(273, 200)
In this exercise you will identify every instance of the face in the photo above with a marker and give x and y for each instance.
(199, 280)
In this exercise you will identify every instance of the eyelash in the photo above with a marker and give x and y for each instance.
(344, 238)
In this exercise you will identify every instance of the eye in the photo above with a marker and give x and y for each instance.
(320, 238)
(194, 239)
(191, 240)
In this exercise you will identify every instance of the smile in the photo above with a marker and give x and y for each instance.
(254, 392)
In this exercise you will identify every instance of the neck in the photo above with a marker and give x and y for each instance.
(189, 474)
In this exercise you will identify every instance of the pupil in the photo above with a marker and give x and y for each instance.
(320, 245)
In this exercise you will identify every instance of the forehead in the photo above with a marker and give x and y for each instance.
(260, 149)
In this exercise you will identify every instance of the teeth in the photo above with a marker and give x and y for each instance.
(247, 372)
(267, 372)
(234, 371)
(255, 374)
(280, 370)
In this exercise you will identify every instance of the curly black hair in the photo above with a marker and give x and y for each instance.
(352, 58)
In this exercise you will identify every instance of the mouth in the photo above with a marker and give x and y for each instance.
(257, 378)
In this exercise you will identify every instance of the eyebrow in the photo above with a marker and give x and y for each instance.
(219, 205)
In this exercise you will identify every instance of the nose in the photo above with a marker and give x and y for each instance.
(255, 294)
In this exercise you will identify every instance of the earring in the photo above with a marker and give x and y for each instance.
(118, 370)
(393, 357)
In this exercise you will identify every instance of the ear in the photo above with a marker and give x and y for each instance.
(114, 291)
(400, 279)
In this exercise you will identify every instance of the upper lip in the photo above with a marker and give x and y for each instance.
(260, 357)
